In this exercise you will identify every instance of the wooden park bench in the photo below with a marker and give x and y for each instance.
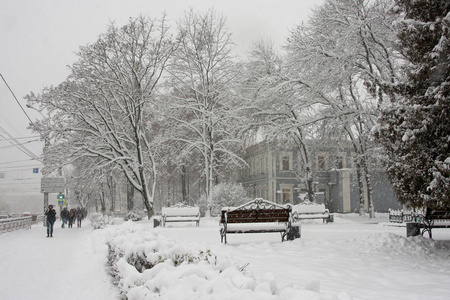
(257, 216)
(400, 216)
(180, 213)
(309, 210)
(434, 219)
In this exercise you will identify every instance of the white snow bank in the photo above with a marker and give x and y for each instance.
(393, 244)
(149, 266)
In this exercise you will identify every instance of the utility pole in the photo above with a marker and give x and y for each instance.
(45, 207)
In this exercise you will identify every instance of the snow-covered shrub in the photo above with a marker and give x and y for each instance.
(224, 195)
(132, 216)
(99, 221)
(147, 265)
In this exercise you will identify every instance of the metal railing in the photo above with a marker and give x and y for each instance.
(11, 224)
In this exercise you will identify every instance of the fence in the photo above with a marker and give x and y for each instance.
(15, 223)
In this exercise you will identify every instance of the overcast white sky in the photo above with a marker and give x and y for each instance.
(39, 38)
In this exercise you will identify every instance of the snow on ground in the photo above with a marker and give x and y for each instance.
(71, 265)
(352, 258)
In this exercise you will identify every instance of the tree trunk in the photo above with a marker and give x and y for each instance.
(112, 190)
(130, 197)
(369, 189)
(298, 138)
(102, 199)
(183, 183)
(360, 184)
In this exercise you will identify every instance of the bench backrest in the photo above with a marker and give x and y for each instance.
(255, 216)
(180, 211)
(440, 215)
(256, 211)
(310, 208)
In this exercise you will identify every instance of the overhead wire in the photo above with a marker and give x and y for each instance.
(19, 145)
(22, 137)
(20, 105)
(13, 140)
(23, 143)
(15, 161)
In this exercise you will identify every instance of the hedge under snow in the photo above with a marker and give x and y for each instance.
(149, 266)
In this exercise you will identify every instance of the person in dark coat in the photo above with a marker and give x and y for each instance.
(71, 217)
(50, 213)
(64, 216)
(79, 215)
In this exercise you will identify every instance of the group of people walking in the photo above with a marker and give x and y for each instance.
(67, 216)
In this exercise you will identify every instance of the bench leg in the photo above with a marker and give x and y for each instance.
(427, 229)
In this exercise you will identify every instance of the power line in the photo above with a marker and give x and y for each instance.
(20, 167)
(22, 137)
(31, 122)
(15, 161)
(27, 142)
(21, 182)
(19, 145)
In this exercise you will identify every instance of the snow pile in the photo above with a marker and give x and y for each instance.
(394, 244)
(150, 266)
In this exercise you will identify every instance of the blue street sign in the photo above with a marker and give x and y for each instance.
(35, 170)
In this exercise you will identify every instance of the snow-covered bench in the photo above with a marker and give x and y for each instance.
(257, 216)
(180, 213)
(434, 219)
(400, 216)
(309, 210)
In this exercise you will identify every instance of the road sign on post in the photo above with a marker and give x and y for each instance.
(53, 184)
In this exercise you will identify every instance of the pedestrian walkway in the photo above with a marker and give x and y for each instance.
(69, 266)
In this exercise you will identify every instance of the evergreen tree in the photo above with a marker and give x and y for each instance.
(415, 130)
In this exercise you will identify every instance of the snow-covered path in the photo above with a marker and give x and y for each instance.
(71, 265)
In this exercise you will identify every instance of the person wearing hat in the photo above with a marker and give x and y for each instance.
(51, 218)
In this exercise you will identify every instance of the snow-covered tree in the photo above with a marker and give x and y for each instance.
(105, 109)
(414, 130)
(225, 195)
(277, 112)
(342, 59)
(203, 111)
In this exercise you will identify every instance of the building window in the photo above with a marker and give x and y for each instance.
(339, 162)
(286, 195)
(285, 163)
(321, 163)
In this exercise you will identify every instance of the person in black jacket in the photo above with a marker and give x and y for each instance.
(79, 216)
(64, 216)
(71, 217)
(51, 218)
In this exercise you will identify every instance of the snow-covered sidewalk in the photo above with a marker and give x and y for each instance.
(71, 265)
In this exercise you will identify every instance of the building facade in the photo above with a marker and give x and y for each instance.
(273, 173)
